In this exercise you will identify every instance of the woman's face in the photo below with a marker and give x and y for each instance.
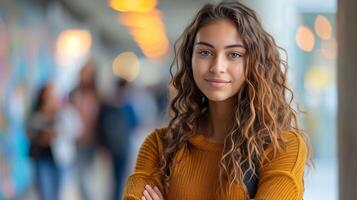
(217, 61)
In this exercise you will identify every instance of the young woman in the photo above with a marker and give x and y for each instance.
(41, 130)
(232, 133)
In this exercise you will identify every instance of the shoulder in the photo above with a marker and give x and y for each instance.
(282, 175)
(154, 138)
(150, 151)
(295, 142)
(292, 158)
(153, 142)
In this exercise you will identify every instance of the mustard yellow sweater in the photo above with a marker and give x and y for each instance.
(196, 176)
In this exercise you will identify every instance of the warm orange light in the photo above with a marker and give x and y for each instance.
(305, 38)
(133, 5)
(148, 31)
(72, 44)
(141, 20)
(154, 46)
(126, 65)
(323, 27)
(157, 51)
(148, 37)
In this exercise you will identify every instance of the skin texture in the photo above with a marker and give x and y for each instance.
(217, 61)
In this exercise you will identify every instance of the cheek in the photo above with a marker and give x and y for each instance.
(195, 67)
(195, 62)
(198, 70)
(200, 66)
(195, 72)
(237, 72)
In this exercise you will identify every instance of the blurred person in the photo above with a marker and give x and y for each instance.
(117, 121)
(41, 130)
(69, 127)
(86, 101)
(232, 132)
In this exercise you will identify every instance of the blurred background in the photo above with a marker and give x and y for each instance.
(72, 73)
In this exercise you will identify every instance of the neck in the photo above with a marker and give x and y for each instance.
(219, 120)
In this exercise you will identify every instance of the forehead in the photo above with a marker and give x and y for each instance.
(219, 33)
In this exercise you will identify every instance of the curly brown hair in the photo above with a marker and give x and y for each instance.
(261, 112)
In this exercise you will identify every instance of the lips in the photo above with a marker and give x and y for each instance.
(217, 83)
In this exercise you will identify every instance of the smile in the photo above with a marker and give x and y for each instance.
(217, 83)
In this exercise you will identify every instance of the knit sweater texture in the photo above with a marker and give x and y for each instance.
(195, 176)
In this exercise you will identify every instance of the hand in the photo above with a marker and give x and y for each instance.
(152, 193)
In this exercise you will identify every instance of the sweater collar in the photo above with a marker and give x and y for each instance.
(199, 141)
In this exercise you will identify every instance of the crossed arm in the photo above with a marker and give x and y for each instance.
(282, 178)
(152, 193)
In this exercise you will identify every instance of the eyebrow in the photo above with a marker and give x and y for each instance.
(226, 47)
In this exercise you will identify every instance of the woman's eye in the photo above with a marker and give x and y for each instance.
(234, 55)
(204, 53)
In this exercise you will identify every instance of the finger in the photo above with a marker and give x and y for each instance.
(158, 192)
(152, 192)
(143, 198)
(147, 195)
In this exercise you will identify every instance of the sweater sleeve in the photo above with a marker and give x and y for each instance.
(147, 164)
(282, 177)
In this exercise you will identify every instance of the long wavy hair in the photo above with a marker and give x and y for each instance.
(263, 108)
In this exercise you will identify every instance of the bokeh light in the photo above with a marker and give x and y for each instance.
(323, 27)
(148, 31)
(305, 38)
(132, 5)
(72, 44)
(329, 48)
(318, 79)
(126, 65)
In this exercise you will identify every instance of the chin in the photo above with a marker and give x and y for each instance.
(217, 97)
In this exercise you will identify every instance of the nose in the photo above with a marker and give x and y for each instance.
(219, 64)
